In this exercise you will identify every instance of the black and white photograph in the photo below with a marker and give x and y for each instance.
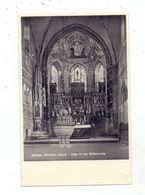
(72, 97)
(75, 88)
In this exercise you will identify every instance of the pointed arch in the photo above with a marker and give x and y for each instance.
(79, 28)
(78, 74)
(100, 77)
(54, 77)
(54, 74)
(99, 73)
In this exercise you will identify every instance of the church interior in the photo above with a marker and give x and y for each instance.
(74, 79)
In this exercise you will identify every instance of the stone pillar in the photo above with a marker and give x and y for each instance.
(115, 98)
(38, 99)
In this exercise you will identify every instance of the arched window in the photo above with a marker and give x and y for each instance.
(99, 77)
(54, 77)
(78, 75)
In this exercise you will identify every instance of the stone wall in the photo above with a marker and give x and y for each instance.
(28, 64)
(122, 84)
(122, 80)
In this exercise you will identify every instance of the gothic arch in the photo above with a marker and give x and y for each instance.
(55, 67)
(82, 29)
(81, 77)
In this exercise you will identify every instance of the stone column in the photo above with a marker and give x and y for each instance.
(115, 97)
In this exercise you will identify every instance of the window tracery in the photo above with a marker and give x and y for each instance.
(100, 77)
(54, 76)
(78, 74)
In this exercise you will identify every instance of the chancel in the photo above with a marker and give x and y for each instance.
(74, 71)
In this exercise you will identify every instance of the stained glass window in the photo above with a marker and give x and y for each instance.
(99, 77)
(78, 74)
(54, 76)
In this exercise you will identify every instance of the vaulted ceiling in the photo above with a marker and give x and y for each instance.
(107, 27)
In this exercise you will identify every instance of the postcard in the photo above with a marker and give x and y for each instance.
(74, 91)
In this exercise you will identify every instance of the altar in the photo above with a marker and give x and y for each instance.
(78, 91)
(81, 131)
(83, 111)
